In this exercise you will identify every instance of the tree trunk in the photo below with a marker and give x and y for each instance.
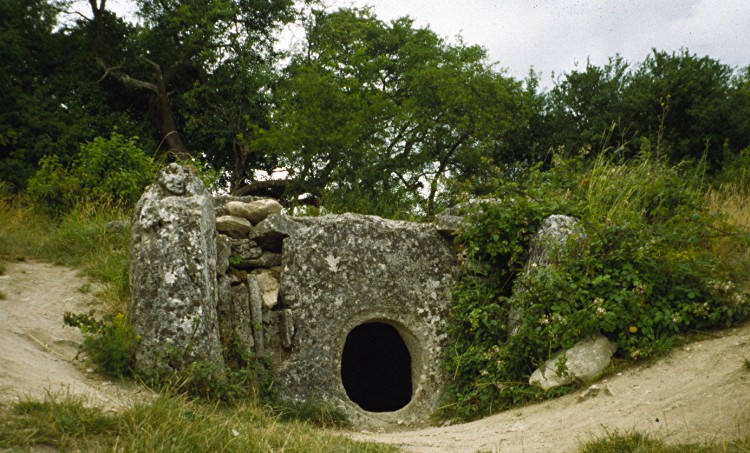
(161, 110)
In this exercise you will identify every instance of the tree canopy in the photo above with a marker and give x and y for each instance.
(363, 115)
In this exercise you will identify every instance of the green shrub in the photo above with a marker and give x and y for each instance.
(107, 170)
(52, 186)
(110, 342)
(641, 273)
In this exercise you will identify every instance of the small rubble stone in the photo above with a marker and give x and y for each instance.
(233, 226)
(269, 287)
(254, 211)
(270, 233)
(267, 259)
(244, 251)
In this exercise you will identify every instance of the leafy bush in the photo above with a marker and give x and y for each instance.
(111, 170)
(642, 272)
(52, 186)
(109, 342)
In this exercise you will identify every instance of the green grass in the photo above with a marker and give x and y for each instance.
(167, 424)
(78, 239)
(635, 442)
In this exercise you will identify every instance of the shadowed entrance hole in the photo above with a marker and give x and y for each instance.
(376, 368)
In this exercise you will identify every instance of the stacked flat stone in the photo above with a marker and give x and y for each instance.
(250, 234)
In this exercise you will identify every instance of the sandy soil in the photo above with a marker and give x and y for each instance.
(38, 353)
(700, 392)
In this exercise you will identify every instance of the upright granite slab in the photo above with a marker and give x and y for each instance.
(345, 271)
(173, 279)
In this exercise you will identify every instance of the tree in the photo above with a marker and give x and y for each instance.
(373, 111)
(682, 103)
(51, 101)
(179, 55)
(585, 107)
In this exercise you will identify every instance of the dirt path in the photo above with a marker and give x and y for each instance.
(698, 393)
(37, 351)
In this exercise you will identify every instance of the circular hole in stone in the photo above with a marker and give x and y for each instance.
(376, 368)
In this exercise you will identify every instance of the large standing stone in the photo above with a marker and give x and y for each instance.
(341, 272)
(546, 248)
(173, 273)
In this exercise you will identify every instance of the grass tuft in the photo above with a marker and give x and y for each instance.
(164, 425)
(78, 239)
(636, 442)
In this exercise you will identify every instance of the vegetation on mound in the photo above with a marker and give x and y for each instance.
(651, 261)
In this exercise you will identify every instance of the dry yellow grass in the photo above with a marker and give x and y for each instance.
(734, 204)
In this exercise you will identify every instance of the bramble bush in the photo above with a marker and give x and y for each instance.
(641, 273)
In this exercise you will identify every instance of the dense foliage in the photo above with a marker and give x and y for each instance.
(112, 170)
(640, 269)
(361, 114)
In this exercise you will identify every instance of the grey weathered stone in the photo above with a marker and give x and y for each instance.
(583, 362)
(344, 271)
(266, 259)
(551, 237)
(223, 251)
(220, 202)
(286, 328)
(233, 226)
(235, 321)
(173, 273)
(254, 211)
(270, 233)
(269, 287)
(256, 313)
(243, 251)
(448, 225)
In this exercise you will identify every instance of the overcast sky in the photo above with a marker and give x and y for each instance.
(555, 35)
